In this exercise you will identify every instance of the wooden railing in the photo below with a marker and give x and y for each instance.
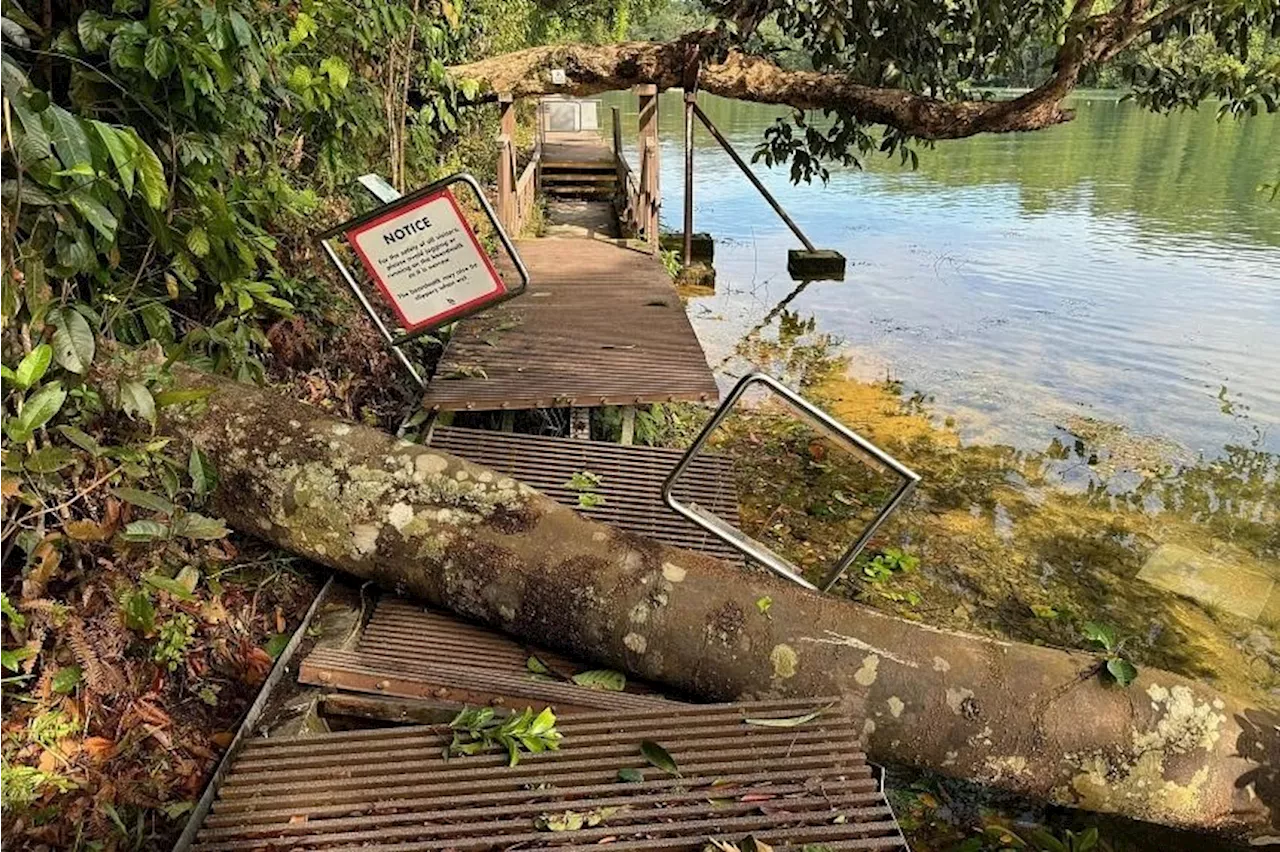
(517, 191)
(641, 198)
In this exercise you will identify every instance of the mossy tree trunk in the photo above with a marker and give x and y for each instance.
(423, 523)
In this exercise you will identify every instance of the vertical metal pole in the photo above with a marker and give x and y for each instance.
(373, 314)
(690, 104)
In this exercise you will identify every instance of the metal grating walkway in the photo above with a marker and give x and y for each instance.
(630, 481)
(408, 651)
(599, 325)
(392, 790)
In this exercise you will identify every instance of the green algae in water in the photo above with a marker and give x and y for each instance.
(1027, 545)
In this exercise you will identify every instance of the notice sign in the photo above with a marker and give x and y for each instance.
(427, 261)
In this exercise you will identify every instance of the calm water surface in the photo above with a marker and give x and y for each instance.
(1121, 267)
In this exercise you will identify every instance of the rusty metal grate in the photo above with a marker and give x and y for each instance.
(630, 481)
(392, 790)
(411, 652)
(598, 325)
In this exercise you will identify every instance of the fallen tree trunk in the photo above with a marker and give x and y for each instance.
(1035, 720)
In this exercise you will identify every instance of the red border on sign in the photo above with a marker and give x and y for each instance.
(500, 286)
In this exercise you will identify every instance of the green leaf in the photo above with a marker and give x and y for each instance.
(95, 213)
(337, 72)
(36, 144)
(1103, 634)
(589, 500)
(189, 577)
(145, 500)
(137, 402)
(11, 658)
(605, 680)
(65, 681)
(1122, 670)
(197, 526)
(159, 58)
(145, 530)
(150, 173)
(168, 584)
(659, 757)
(78, 170)
(198, 241)
(180, 397)
(275, 645)
(81, 440)
(48, 460)
(583, 480)
(204, 477)
(120, 148)
(10, 612)
(536, 666)
(240, 27)
(33, 366)
(139, 612)
(763, 604)
(73, 343)
(789, 721)
(37, 411)
(67, 137)
(94, 30)
(630, 776)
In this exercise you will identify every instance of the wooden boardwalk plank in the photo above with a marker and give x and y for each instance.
(630, 481)
(599, 325)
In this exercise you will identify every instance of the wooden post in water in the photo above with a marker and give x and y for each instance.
(690, 104)
(647, 145)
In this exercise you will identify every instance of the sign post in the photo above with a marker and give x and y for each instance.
(426, 262)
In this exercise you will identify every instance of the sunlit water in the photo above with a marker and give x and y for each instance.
(1122, 267)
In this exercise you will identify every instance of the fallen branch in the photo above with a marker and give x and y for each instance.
(1030, 719)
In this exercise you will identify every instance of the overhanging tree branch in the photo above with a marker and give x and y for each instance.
(592, 69)
(723, 68)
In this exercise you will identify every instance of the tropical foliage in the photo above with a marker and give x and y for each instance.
(165, 164)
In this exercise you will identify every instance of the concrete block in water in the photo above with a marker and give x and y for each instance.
(704, 247)
(1239, 588)
(819, 264)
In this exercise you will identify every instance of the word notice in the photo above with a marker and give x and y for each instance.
(426, 260)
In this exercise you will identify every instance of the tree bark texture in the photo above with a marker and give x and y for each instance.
(1036, 720)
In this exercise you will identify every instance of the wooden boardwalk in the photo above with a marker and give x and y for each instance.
(599, 325)
(630, 481)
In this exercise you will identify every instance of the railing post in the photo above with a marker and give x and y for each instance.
(508, 207)
(506, 183)
(507, 115)
(647, 139)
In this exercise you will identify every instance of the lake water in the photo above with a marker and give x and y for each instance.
(1121, 267)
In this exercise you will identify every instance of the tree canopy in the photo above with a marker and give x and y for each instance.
(888, 74)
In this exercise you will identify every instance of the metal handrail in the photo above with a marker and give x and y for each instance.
(749, 546)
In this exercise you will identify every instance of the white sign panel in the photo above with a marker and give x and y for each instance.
(427, 261)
